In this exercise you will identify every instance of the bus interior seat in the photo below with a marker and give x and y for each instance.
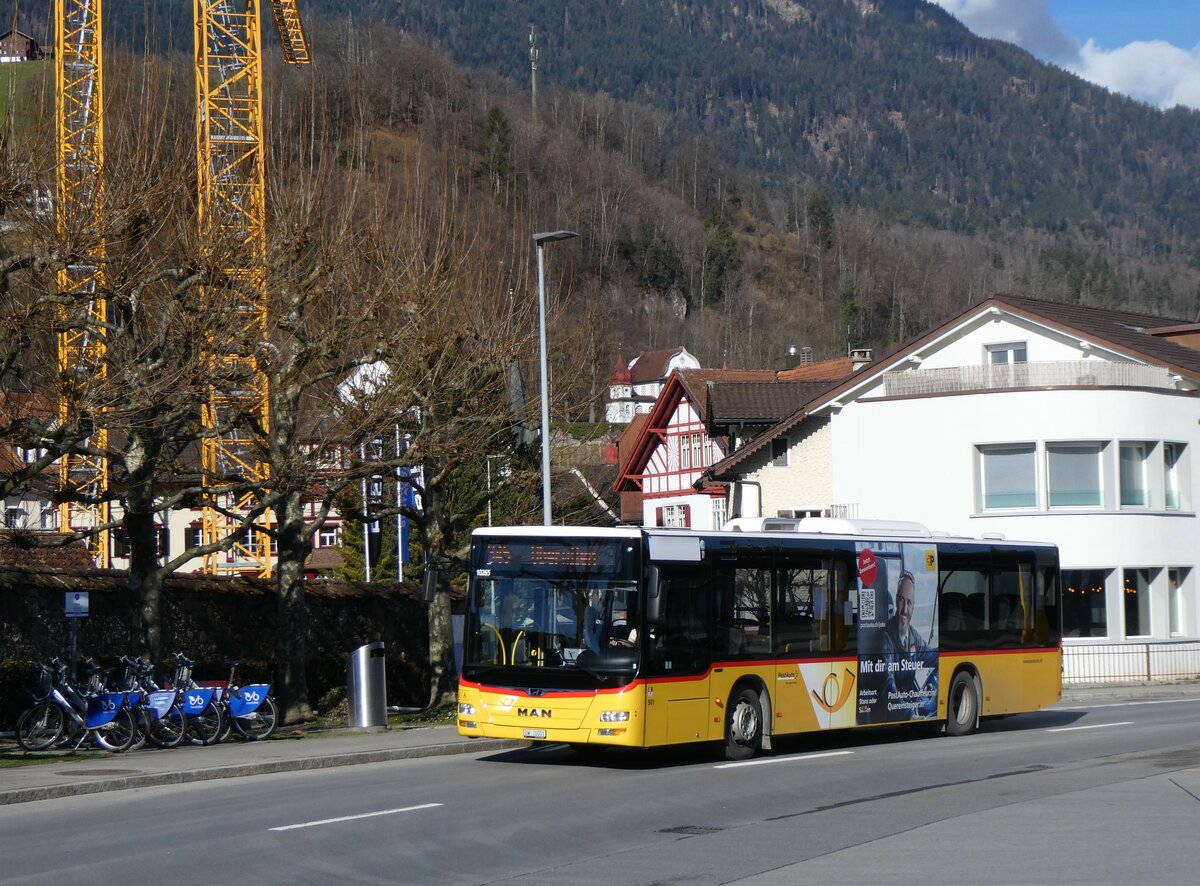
(973, 610)
(952, 609)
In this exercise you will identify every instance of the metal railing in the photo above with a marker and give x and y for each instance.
(1131, 662)
(1056, 374)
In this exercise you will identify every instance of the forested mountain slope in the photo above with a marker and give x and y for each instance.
(750, 176)
(893, 104)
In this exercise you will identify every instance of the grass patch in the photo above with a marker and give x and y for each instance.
(12, 757)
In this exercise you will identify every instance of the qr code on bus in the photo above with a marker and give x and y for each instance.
(866, 604)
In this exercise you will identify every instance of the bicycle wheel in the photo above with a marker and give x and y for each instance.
(205, 727)
(141, 728)
(226, 723)
(258, 724)
(40, 726)
(169, 730)
(118, 734)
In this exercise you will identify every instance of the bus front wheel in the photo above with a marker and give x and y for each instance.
(963, 705)
(743, 726)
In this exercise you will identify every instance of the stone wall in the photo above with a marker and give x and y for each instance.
(213, 620)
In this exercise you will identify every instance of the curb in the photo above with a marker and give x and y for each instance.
(102, 785)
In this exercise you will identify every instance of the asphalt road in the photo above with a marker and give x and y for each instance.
(1106, 794)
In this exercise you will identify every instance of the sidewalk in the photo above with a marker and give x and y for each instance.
(92, 772)
(322, 749)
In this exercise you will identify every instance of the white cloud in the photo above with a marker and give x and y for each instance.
(1152, 71)
(1028, 23)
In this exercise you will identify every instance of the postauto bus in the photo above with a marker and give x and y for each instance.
(651, 637)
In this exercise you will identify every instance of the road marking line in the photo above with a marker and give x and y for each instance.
(313, 824)
(764, 761)
(1126, 704)
(1096, 726)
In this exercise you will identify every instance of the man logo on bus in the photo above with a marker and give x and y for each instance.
(834, 693)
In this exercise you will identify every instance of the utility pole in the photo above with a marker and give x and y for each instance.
(533, 60)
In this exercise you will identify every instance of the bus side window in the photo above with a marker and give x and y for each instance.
(795, 607)
(843, 616)
(744, 617)
(682, 643)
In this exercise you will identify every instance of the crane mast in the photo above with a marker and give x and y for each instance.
(232, 217)
(82, 347)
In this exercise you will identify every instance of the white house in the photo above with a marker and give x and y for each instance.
(633, 389)
(1034, 420)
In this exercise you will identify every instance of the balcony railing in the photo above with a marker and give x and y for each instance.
(1057, 374)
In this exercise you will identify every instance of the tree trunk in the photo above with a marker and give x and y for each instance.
(291, 685)
(444, 682)
(145, 576)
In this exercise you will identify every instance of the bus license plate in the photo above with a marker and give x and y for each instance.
(535, 733)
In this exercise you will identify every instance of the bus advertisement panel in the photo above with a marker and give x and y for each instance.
(897, 632)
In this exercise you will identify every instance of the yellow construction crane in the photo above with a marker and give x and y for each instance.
(79, 220)
(232, 215)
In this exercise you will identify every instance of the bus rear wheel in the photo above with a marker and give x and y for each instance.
(962, 703)
(744, 726)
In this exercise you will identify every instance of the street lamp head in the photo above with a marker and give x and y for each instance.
(551, 236)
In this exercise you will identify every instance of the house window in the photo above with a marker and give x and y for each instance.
(1085, 606)
(30, 456)
(698, 459)
(327, 537)
(236, 554)
(120, 543)
(1074, 475)
(685, 452)
(1007, 354)
(1175, 580)
(718, 512)
(779, 453)
(195, 536)
(1136, 593)
(1133, 475)
(14, 518)
(48, 517)
(1007, 364)
(1172, 457)
(675, 516)
(1008, 476)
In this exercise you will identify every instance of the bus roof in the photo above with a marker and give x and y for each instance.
(814, 527)
(562, 531)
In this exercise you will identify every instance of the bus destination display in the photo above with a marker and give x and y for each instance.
(550, 555)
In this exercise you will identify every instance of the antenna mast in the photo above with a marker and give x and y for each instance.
(533, 60)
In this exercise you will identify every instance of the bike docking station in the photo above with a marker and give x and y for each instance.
(366, 688)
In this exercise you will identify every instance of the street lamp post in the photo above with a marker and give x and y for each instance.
(540, 240)
(489, 458)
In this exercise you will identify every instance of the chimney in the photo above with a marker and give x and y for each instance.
(798, 356)
(859, 358)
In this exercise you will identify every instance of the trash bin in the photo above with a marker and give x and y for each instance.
(366, 687)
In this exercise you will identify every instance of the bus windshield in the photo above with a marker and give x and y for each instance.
(561, 620)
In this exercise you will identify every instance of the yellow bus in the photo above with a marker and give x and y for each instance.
(645, 638)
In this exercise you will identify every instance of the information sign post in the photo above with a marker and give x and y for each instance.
(75, 604)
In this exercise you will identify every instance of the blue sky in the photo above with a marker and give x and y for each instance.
(1146, 49)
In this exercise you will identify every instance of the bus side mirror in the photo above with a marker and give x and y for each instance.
(430, 585)
(653, 597)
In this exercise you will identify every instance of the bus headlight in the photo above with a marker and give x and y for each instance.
(468, 709)
(614, 716)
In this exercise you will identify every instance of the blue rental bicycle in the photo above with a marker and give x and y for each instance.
(64, 716)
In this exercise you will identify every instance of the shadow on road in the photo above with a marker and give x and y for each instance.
(707, 753)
